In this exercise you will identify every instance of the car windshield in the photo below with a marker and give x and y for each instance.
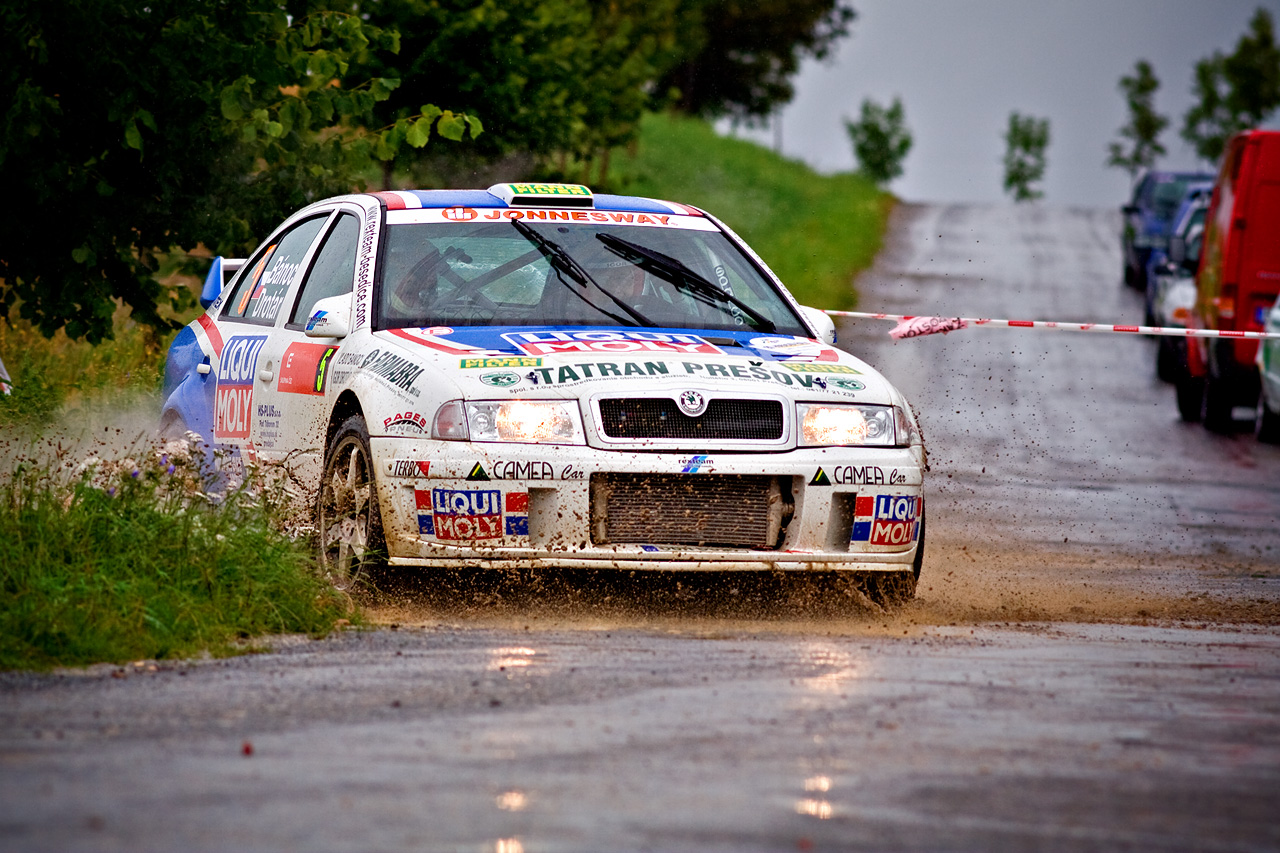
(1167, 196)
(575, 274)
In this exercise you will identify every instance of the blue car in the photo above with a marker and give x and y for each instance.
(1148, 218)
(1190, 213)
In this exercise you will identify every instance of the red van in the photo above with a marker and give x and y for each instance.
(1237, 282)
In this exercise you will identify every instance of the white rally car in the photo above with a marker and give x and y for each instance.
(534, 375)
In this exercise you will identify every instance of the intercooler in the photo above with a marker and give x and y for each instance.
(708, 510)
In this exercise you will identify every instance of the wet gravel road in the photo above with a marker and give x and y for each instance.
(1092, 663)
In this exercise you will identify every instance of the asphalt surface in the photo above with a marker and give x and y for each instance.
(1092, 661)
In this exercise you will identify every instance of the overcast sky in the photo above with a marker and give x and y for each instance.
(961, 66)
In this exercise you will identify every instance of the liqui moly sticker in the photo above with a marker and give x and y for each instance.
(460, 514)
(233, 402)
(886, 519)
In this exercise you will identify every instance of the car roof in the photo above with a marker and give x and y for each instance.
(493, 198)
(1160, 175)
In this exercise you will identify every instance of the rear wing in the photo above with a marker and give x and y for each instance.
(219, 274)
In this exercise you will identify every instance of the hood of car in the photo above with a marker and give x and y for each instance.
(526, 361)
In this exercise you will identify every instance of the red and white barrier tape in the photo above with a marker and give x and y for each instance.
(913, 327)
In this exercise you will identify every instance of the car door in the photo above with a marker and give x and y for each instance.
(293, 393)
(251, 317)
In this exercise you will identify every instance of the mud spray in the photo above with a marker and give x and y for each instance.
(967, 580)
(962, 584)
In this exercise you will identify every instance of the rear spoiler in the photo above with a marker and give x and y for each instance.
(219, 274)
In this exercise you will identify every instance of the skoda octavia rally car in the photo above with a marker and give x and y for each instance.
(535, 375)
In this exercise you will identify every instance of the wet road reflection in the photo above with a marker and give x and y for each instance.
(1119, 690)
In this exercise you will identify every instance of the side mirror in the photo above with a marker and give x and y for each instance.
(330, 318)
(821, 322)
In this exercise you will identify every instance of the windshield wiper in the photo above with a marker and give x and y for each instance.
(562, 261)
(675, 271)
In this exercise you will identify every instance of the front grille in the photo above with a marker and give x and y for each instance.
(710, 510)
(658, 417)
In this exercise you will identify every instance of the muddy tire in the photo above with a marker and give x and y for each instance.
(351, 546)
(1169, 367)
(1266, 426)
(1190, 392)
(892, 589)
(1217, 404)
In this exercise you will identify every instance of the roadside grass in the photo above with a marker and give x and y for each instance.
(56, 376)
(815, 231)
(58, 379)
(128, 559)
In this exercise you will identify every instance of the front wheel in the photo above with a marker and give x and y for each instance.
(890, 589)
(1190, 390)
(1169, 364)
(1267, 424)
(1218, 401)
(348, 522)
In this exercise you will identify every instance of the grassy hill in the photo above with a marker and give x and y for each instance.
(815, 231)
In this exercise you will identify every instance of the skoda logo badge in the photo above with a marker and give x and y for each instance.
(692, 403)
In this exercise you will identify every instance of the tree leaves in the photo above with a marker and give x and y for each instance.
(1145, 124)
(1026, 140)
(880, 140)
(1236, 91)
(233, 114)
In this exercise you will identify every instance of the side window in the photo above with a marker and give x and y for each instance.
(1140, 190)
(259, 295)
(334, 269)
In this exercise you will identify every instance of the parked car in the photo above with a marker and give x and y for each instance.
(1174, 296)
(1267, 418)
(1237, 282)
(1190, 213)
(535, 375)
(1148, 217)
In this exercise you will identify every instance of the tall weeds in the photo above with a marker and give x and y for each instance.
(118, 560)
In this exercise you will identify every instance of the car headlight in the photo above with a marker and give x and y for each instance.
(524, 421)
(864, 426)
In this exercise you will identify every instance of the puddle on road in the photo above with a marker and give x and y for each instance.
(961, 585)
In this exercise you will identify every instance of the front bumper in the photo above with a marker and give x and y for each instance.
(522, 506)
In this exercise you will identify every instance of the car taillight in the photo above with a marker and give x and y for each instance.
(1226, 303)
